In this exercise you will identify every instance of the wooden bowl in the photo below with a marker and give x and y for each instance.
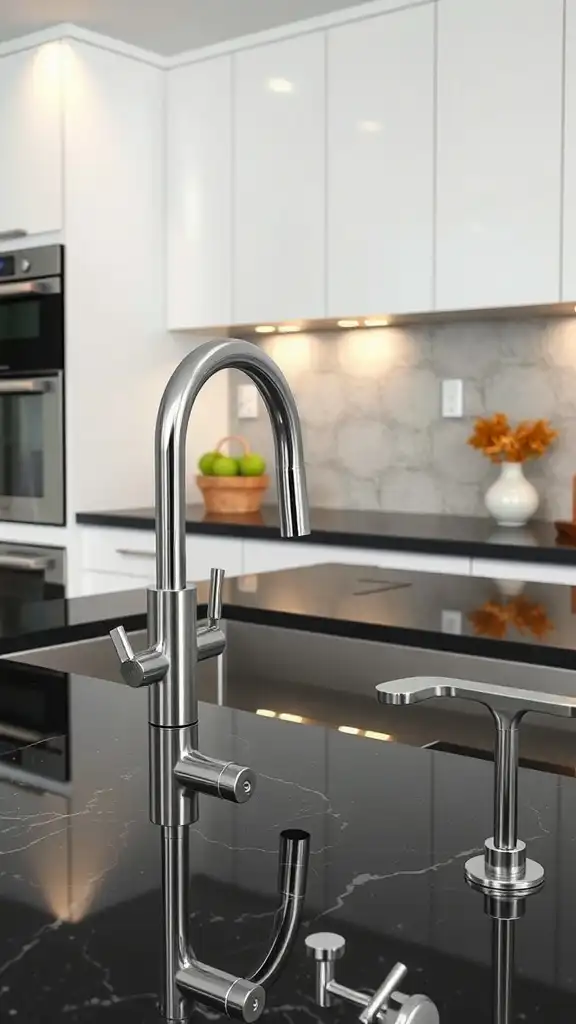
(233, 495)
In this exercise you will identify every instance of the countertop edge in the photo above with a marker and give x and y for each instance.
(384, 542)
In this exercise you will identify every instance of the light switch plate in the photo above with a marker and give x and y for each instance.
(452, 399)
(247, 402)
(451, 621)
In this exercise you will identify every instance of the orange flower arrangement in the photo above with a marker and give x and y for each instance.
(502, 443)
(495, 617)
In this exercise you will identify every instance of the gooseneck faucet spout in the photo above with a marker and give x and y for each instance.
(177, 643)
(178, 400)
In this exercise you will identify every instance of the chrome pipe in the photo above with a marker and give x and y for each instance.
(292, 877)
(503, 952)
(176, 914)
(181, 392)
(506, 752)
(177, 643)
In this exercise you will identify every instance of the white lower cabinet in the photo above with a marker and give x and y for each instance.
(271, 555)
(528, 572)
(109, 582)
(115, 559)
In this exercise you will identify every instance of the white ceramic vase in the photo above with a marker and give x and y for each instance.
(511, 499)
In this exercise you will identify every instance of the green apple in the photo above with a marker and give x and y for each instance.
(206, 462)
(224, 465)
(252, 465)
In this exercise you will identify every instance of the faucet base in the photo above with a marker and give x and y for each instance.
(504, 872)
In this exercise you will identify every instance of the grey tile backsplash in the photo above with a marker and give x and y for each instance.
(370, 405)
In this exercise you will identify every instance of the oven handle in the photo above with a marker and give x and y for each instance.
(29, 386)
(43, 286)
(26, 563)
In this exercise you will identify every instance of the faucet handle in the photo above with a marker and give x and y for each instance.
(501, 699)
(504, 868)
(140, 669)
(214, 613)
(326, 948)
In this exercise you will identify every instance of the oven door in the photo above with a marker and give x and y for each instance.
(32, 449)
(31, 325)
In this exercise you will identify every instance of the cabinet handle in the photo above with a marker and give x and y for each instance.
(133, 553)
(13, 233)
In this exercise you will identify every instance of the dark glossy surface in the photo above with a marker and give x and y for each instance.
(442, 613)
(391, 828)
(396, 531)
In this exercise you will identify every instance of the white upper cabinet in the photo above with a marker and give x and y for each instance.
(199, 200)
(279, 181)
(569, 232)
(381, 164)
(499, 152)
(31, 140)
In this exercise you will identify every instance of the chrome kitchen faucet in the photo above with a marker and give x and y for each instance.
(177, 642)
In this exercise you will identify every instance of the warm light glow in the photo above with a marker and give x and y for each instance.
(348, 323)
(294, 357)
(265, 329)
(376, 322)
(371, 127)
(287, 717)
(384, 736)
(280, 85)
(289, 328)
(349, 729)
(265, 713)
(575, 309)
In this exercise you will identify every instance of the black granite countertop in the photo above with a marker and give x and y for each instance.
(471, 536)
(391, 828)
(458, 614)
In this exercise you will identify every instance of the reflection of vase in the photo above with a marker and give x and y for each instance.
(511, 499)
(510, 588)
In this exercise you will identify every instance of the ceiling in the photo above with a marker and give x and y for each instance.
(164, 26)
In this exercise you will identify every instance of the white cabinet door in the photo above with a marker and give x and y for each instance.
(31, 140)
(204, 553)
(199, 196)
(110, 582)
(279, 181)
(381, 164)
(499, 152)
(535, 572)
(569, 233)
(272, 555)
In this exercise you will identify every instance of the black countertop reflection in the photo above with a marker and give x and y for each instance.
(536, 624)
(472, 536)
(391, 828)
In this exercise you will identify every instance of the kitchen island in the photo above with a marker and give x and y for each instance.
(391, 827)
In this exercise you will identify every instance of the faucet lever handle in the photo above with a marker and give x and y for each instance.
(140, 669)
(214, 613)
(379, 1001)
(500, 698)
(326, 948)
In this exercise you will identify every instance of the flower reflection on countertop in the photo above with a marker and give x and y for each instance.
(495, 618)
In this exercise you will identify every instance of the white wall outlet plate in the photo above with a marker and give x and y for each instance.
(451, 621)
(452, 399)
(247, 402)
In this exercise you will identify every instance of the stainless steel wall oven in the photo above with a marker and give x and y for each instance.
(32, 456)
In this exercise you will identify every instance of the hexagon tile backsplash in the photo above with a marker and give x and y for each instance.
(370, 406)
